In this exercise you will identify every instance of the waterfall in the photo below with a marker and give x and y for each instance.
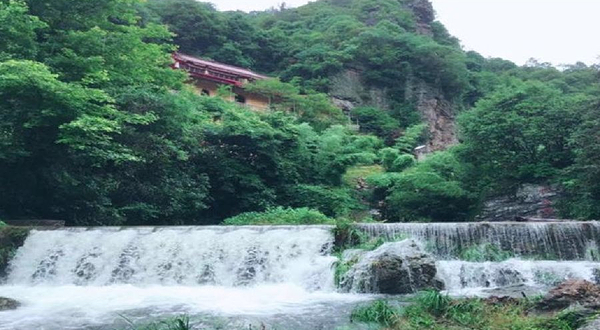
(458, 275)
(190, 256)
(89, 278)
(549, 240)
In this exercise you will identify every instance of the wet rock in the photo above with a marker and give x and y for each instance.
(11, 238)
(478, 275)
(501, 301)
(571, 293)
(8, 304)
(518, 292)
(592, 325)
(508, 277)
(393, 268)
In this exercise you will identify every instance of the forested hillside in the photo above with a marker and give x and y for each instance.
(96, 128)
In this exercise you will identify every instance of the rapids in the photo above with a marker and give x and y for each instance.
(281, 277)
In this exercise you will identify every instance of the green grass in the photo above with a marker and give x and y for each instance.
(434, 302)
(176, 323)
(354, 174)
(2, 224)
(379, 312)
(281, 216)
(436, 311)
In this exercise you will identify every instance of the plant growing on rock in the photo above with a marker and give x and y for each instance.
(485, 252)
(11, 238)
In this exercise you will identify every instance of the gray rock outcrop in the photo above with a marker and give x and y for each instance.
(8, 304)
(530, 201)
(592, 325)
(393, 268)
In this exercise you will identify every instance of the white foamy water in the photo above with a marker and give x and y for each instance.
(90, 279)
(88, 307)
(189, 256)
(80, 279)
(555, 240)
(464, 277)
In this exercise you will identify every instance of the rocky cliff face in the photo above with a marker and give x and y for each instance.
(348, 90)
(437, 112)
(530, 201)
(424, 14)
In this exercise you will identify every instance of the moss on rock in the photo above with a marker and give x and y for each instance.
(11, 238)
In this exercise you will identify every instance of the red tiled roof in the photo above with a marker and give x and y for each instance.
(219, 67)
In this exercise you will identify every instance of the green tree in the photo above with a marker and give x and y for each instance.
(430, 191)
(519, 134)
(18, 30)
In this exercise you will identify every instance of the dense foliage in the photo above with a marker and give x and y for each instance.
(97, 128)
(280, 216)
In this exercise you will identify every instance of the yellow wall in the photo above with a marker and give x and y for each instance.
(254, 101)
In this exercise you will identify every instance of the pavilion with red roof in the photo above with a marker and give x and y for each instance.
(209, 75)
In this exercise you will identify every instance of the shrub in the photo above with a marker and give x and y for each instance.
(356, 174)
(2, 223)
(402, 162)
(432, 190)
(388, 156)
(485, 252)
(333, 202)
(346, 235)
(376, 121)
(280, 216)
(412, 137)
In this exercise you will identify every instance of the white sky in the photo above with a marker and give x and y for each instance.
(556, 31)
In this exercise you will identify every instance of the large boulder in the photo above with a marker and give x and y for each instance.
(8, 304)
(393, 268)
(571, 293)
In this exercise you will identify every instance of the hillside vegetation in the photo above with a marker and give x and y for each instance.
(97, 129)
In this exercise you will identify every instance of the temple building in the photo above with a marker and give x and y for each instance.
(208, 76)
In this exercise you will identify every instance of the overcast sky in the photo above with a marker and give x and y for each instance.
(556, 31)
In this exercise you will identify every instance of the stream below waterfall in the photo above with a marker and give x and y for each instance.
(254, 277)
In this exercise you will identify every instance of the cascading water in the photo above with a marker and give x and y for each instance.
(570, 246)
(180, 256)
(80, 278)
(471, 278)
(85, 278)
(554, 240)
